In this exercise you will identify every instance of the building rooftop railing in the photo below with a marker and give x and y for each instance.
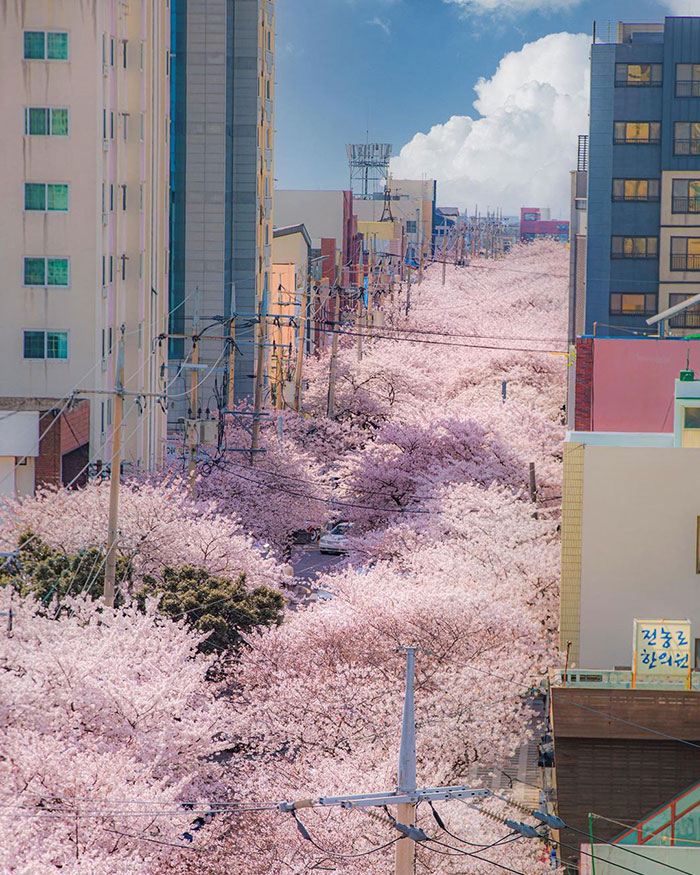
(618, 679)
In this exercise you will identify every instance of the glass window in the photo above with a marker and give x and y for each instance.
(687, 80)
(59, 122)
(686, 138)
(635, 189)
(637, 132)
(685, 253)
(638, 74)
(34, 196)
(34, 44)
(634, 247)
(37, 120)
(623, 304)
(34, 272)
(686, 196)
(34, 344)
(57, 197)
(57, 46)
(691, 417)
(56, 344)
(57, 271)
(688, 318)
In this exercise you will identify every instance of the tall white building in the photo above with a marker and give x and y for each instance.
(84, 229)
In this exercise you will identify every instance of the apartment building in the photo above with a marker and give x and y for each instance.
(84, 235)
(643, 247)
(222, 171)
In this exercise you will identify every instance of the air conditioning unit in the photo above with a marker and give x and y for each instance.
(105, 145)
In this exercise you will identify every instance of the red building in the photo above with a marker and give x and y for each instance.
(535, 223)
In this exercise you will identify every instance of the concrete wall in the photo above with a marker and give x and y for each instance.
(654, 860)
(638, 545)
(320, 211)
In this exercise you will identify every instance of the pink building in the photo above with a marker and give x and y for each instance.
(535, 223)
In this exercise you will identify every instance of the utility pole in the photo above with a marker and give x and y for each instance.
(405, 848)
(114, 478)
(301, 337)
(231, 363)
(192, 424)
(259, 382)
(444, 256)
(334, 356)
(533, 487)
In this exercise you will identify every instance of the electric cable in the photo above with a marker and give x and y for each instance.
(306, 835)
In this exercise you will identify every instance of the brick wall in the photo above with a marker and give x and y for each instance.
(75, 428)
(47, 467)
(583, 401)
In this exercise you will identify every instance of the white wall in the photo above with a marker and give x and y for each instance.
(320, 211)
(639, 528)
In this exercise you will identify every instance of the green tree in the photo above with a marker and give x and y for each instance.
(226, 608)
(47, 573)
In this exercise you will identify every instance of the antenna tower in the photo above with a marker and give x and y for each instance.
(369, 168)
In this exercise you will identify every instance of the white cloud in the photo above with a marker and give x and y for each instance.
(520, 151)
(683, 7)
(382, 23)
(514, 6)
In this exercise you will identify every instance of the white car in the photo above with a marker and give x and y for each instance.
(335, 540)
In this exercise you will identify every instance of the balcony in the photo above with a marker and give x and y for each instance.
(617, 679)
(686, 205)
(685, 262)
(688, 88)
(689, 318)
(686, 147)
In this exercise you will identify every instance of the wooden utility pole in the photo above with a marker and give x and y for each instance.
(259, 384)
(444, 256)
(333, 364)
(301, 337)
(114, 478)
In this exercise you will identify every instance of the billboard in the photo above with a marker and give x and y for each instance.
(661, 649)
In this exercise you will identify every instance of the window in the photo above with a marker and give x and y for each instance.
(45, 121)
(635, 247)
(123, 188)
(632, 304)
(686, 138)
(635, 189)
(689, 318)
(46, 344)
(46, 45)
(46, 196)
(638, 74)
(642, 133)
(687, 80)
(411, 227)
(685, 253)
(47, 272)
(686, 196)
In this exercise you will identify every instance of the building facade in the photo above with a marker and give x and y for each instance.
(84, 239)
(535, 224)
(222, 169)
(643, 250)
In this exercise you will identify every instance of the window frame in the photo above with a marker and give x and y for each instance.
(653, 181)
(694, 84)
(45, 284)
(651, 140)
(650, 304)
(46, 197)
(45, 334)
(49, 110)
(624, 81)
(683, 201)
(45, 56)
(634, 256)
(680, 320)
(684, 266)
(693, 142)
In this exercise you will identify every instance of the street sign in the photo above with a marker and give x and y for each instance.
(661, 649)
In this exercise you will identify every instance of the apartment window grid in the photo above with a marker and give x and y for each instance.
(685, 253)
(635, 190)
(45, 345)
(637, 133)
(46, 45)
(46, 272)
(689, 318)
(634, 247)
(632, 304)
(46, 197)
(687, 80)
(686, 138)
(46, 121)
(686, 196)
(638, 75)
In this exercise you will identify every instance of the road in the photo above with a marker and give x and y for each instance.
(309, 562)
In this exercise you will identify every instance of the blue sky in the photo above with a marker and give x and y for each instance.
(338, 73)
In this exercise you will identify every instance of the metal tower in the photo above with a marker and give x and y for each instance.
(369, 168)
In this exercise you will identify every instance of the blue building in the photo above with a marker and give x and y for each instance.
(643, 246)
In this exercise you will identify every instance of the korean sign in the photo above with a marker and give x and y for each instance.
(662, 647)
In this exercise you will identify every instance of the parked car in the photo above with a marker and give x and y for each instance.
(335, 538)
